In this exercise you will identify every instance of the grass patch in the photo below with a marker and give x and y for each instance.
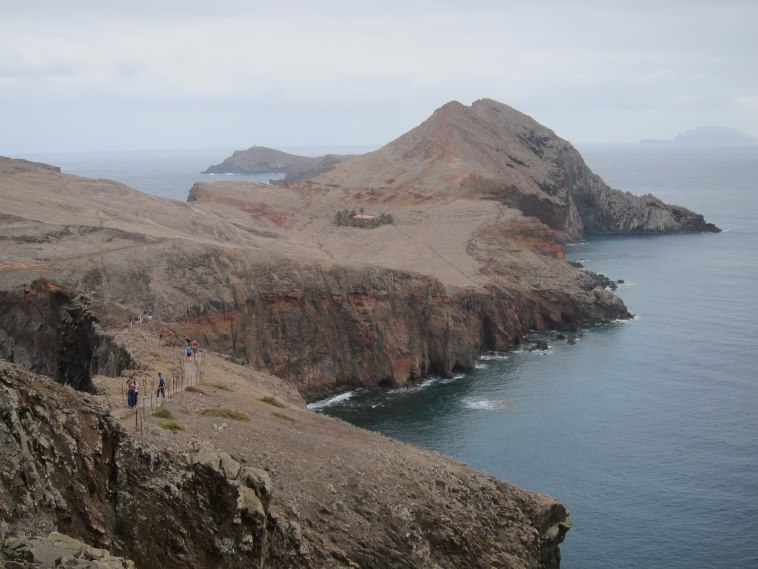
(193, 389)
(225, 413)
(171, 425)
(162, 413)
(217, 385)
(272, 401)
(283, 416)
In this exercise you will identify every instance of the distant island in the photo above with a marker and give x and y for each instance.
(263, 160)
(706, 135)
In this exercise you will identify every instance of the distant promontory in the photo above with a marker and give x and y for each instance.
(263, 160)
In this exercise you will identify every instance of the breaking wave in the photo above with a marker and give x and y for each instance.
(483, 404)
(337, 399)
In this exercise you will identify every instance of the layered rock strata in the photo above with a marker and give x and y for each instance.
(332, 329)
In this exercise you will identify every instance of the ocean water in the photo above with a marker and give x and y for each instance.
(165, 173)
(647, 430)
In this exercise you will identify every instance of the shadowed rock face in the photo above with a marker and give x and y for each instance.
(52, 331)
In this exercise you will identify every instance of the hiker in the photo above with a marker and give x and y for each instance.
(132, 386)
(160, 334)
(195, 347)
(160, 391)
(189, 353)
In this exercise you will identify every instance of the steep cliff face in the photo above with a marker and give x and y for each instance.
(52, 331)
(331, 328)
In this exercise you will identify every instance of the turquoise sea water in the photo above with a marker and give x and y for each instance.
(647, 430)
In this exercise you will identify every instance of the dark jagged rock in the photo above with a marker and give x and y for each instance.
(57, 550)
(52, 331)
(69, 465)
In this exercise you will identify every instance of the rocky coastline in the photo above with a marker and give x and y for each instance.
(290, 307)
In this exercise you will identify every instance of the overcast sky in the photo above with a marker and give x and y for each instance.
(80, 75)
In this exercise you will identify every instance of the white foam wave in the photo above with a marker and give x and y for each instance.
(481, 366)
(337, 399)
(414, 388)
(627, 320)
(482, 404)
(495, 356)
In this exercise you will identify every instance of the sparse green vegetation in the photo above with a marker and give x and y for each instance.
(225, 413)
(283, 416)
(271, 400)
(171, 425)
(162, 413)
(217, 385)
(193, 389)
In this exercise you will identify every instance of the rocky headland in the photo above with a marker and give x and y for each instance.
(482, 199)
(263, 160)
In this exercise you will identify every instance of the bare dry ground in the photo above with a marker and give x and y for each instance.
(348, 490)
